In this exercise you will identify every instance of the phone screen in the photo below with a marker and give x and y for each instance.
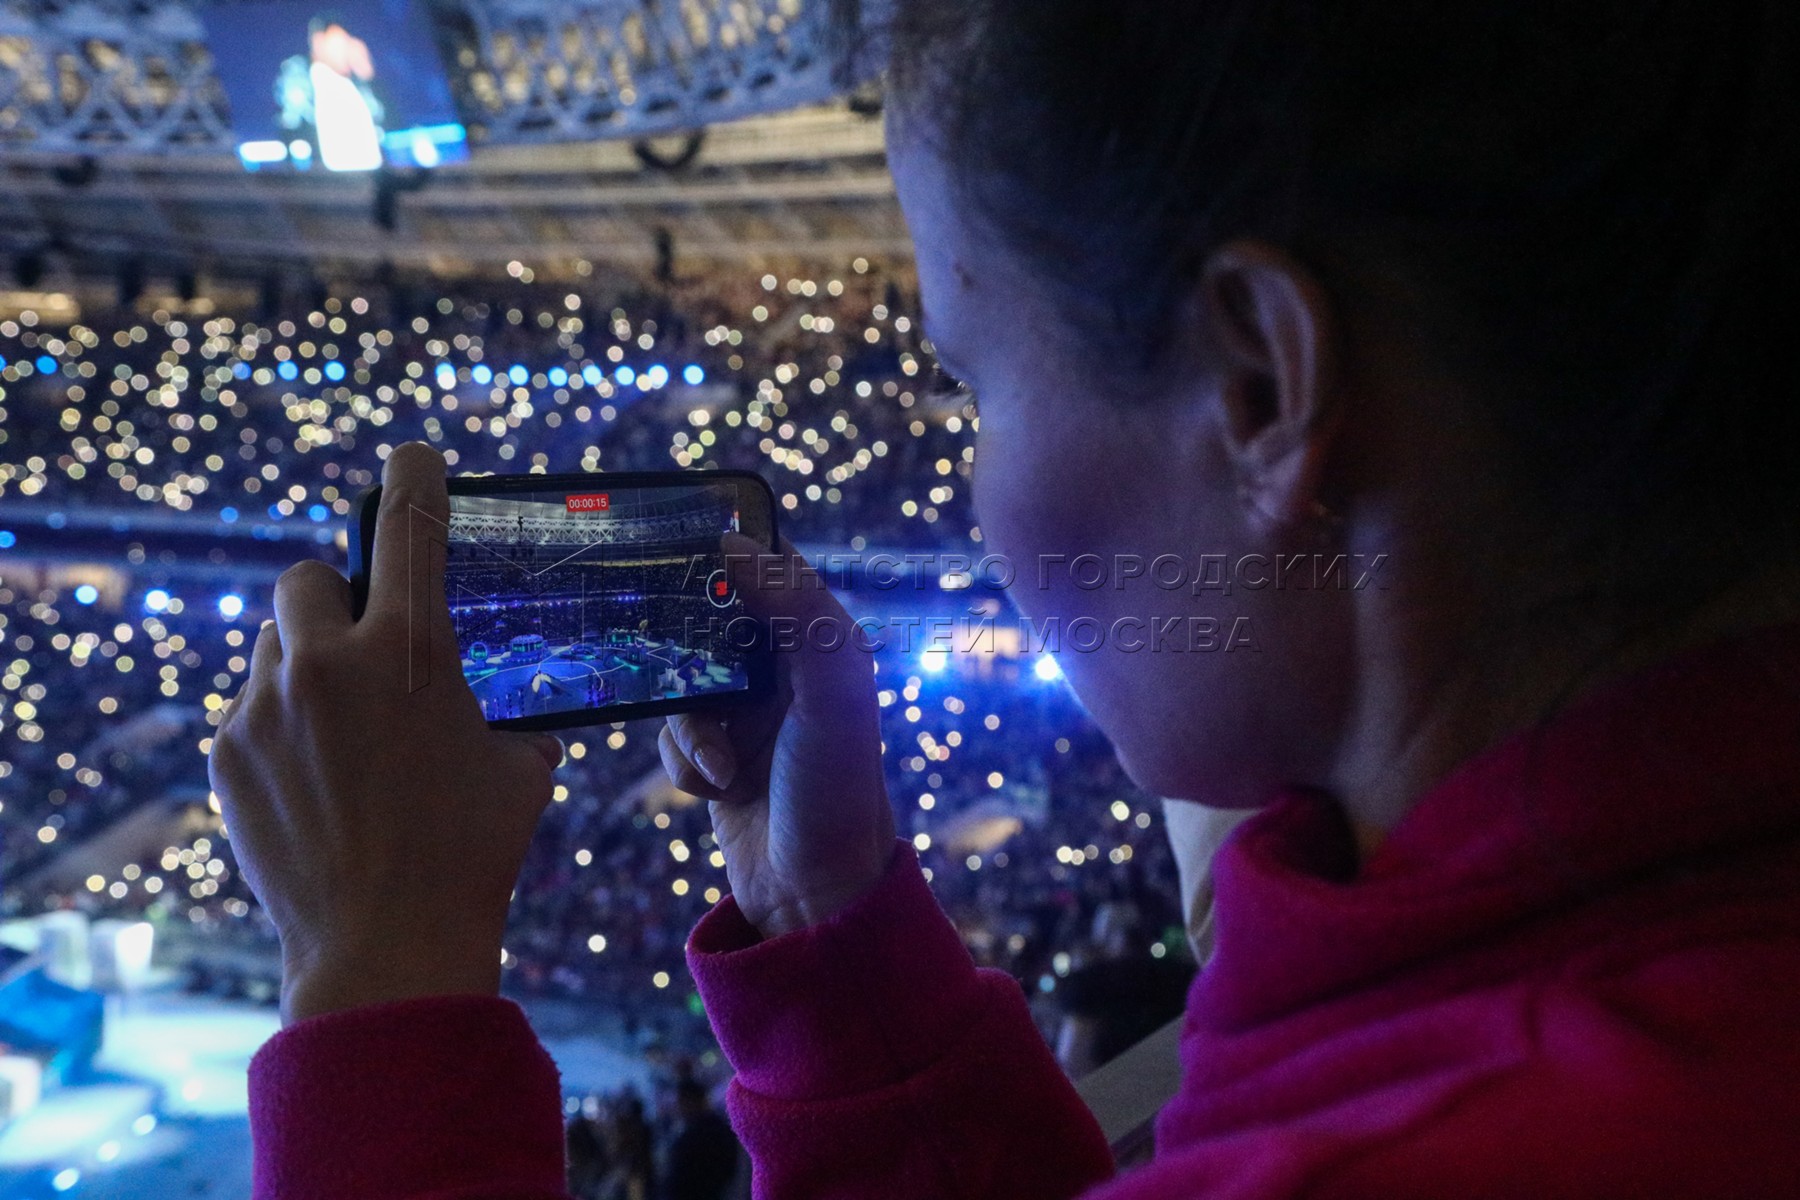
(602, 598)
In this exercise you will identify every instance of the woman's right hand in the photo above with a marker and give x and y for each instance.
(799, 803)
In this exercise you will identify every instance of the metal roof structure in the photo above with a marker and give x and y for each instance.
(599, 128)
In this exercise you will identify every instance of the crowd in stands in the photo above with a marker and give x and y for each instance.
(1051, 864)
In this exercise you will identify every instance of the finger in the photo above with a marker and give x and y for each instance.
(703, 741)
(312, 601)
(406, 576)
(547, 745)
(784, 590)
(265, 659)
(682, 773)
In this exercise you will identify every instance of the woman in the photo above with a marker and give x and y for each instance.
(1444, 335)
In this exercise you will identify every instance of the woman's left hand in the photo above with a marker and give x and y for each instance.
(379, 820)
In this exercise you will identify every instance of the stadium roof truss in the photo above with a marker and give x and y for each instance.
(116, 139)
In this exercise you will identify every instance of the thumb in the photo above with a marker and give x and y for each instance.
(547, 746)
(783, 590)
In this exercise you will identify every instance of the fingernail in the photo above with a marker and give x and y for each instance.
(716, 766)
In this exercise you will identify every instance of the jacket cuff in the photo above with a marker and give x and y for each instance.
(861, 1001)
(364, 1102)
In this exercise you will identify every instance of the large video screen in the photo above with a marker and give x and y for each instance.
(569, 601)
(347, 86)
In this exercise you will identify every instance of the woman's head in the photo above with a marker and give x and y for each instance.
(1492, 282)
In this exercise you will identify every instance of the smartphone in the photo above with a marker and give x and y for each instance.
(594, 598)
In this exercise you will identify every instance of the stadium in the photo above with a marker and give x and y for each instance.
(195, 389)
(1406, 345)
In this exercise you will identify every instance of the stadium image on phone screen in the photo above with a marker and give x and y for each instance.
(565, 601)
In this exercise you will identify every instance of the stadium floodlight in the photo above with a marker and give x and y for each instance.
(1047, 668)
(231, 606)
(156, 600)
(935, 659)
(694, 375)
(87, 593)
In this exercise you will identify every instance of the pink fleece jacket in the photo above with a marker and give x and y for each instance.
(1572, 971)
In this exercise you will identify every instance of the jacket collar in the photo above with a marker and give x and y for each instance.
(1698, 755)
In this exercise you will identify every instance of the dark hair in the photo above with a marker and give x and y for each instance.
(1584, 210)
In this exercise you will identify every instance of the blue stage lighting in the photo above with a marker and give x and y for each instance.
(625, 376)
(481, 373)
(231, 606)
(519, 375)
(156, 600)
(934, 659)
(334, 371)
(87, 593)
(694, 375)
(1047, 668)
(558, 377)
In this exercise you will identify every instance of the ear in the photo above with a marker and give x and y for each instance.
(1272, 324)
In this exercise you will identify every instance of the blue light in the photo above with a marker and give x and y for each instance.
(288, 370)
(46, 365)
(241, 370)
(318, 512)
(1047, 668)
(275, 511)
(519, 375)
(334, 370)
(593, 375)
(87, 593)
(657, 376)
(228, 515)
(231, 607)
(156, 600)
(558, 377)
(8, 539)
(694, 375)
(625, 376)
(481, 373)
(935, 659)
(446, 377)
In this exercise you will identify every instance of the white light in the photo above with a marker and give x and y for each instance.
(65, 1179)
(935, 659)
(156, 600)
(231, 606)
(262, 152)
(1046, 668)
